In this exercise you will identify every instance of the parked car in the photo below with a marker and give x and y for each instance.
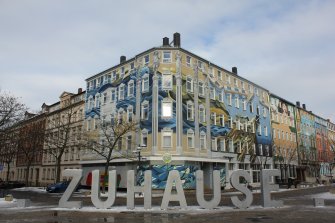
(58, 187)
(11, 185)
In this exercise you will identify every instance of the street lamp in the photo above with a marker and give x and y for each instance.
(140, 158)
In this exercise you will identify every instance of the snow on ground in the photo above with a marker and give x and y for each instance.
(4, 203)
(33, 189)
(327, 196)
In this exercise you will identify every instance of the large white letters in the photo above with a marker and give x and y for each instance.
(235, 182)
(131, 189)
(76, 177)
(266, 188)
(168, 196)
(216, 190)
(95, 195)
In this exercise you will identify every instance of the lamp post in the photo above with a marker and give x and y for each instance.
(139, 159)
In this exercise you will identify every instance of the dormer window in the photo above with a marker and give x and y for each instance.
(166, 57)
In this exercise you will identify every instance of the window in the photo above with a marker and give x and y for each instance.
(129, 141)
(120, 116)
(260, 130)
(190, 138)
(260, 149)
(287, 136)
(227, 79)
(291, 138)
(201, 113)
(121, 92)
(188, 61)
(202, 140)
(97, 101)
(229, 99)
(200, 65)
(132, 66)
(166, 108)
(104, 98)
(145, 83)
(212, 93)
(211, 72)
(166, 57)
(130, 113)
(283, 135)
(131, 88)
(113, 95)
(189, 84)
(213, 118)
(145, 110)
(201, 88)
(119, 143)
(190, 110)
(266, 131)
(167, 138)
(167, 81)
(237, 102)
(244, 103)
(236, 82)
(242, 84)
(278, 131)
(214, 145)
(264, 112)
(257, 110)
(267, 150)
(122, 71)
(144, 138)
(114, 75)
(250, 88)
(222, 145)
(221, 99)
(220, 75)
(146, 60)
(257, 92)
(274, 133)
(221, 118)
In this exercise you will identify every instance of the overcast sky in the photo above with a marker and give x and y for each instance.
(288, 47)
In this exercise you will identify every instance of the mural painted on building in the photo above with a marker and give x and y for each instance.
(160, 175)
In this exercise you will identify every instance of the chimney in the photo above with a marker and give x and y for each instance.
(304, 106)
(234, 70)
(166, 41)
(80, 90)
(298, 104)
(176, 39)
(123, 59)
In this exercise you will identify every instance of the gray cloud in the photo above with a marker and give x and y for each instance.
(48, 47)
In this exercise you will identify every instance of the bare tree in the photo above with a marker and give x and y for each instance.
(107, 140)
(11, 110)
(30, 146)
(332, 154)
(8, 148)
(59, 136)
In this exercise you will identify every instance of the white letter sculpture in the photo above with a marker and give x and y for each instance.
(168, 196)
(234, 181)
(95, 195)
(76, 177)
(200, 190)
(266, 188)
(132, 189)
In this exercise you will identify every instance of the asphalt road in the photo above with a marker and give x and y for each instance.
(298, 207)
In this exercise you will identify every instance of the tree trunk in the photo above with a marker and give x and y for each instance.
(58, 169)
(105, 177)
(27, 175)
(8, 171)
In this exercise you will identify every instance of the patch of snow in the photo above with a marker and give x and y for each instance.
(327, 196)
(33, 189)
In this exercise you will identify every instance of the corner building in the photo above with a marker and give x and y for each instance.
(189, 110)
